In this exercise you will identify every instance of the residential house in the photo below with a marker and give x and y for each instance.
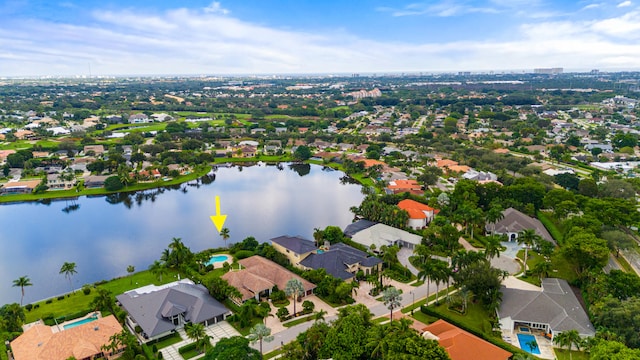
(514, 222)
(94, 181)
(160, 310)
(24, 134)
(480, 176)
(357, 226)
(342, 261)
(552, 308)
(294, 248)
(85, 341)
(245, 152)
(139, 119)
(461, 345)
(19, 187)
(380, 234)
(272, 147)
(61, 181)
(420, 215)
(4, 154)
(96, 149)
(259, 276)
(404, 185)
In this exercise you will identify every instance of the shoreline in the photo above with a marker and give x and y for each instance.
(70, 195)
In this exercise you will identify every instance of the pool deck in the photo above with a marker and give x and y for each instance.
(61, 326)
(228, 259)
(544, 345)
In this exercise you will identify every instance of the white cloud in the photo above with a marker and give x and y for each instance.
(183, 41)
(444, 8)
(624, 4)
(216, 8)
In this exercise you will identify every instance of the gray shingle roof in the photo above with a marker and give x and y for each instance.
(152, 310)
(555, 304)
(514, 221)
(295, 243)
(357, 226)
(337, 259)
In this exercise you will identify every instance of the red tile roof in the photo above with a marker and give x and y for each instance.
(416, 209)
(461, 345)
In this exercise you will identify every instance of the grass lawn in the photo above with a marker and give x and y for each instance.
(424, 318)
(563, 354)
(79, 301)
(244, 331)
(272, 354)
(166, 341)
(297, 321)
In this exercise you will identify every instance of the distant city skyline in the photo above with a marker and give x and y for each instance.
(244, 37)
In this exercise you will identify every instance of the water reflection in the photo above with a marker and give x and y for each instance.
(105, 234)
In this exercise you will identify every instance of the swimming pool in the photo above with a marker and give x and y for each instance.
(218, 259)
(526, 338)
(80, 322)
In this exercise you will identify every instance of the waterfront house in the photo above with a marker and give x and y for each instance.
(294, 248)
(461, 345)
(160, 310)
(85, 341)
(258, 276)
(420, 215)
(19, 187)
(94, 181)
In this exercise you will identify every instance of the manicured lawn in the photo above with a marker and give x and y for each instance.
(476, 318)
(424, 318)
(297, 321)
(79, 301)
(272, 354)
(167, 341)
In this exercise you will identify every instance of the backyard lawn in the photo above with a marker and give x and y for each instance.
(74, 303)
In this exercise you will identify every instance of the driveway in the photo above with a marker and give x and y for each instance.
(403, 257)
(215, 331)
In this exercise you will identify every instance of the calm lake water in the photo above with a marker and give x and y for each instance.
(103, 235)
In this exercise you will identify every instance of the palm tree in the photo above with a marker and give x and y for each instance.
(318, 235)
(494, 214)
(21, 282)
(528, 237)
(130, 270)
(261, 333)
(440, 274)
(572, 339)
(319, 315)
(378, 341)
(562, 341)
(68, 269)
(391, 297)
(542, 269)
(196, 333)
(522, 356)
(295, 289)
(224, 233)
(492, 247)
(426, 269)
(158, 269)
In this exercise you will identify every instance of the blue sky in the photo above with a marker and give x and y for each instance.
(117, 37)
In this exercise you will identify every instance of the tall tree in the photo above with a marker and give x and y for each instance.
(224, 234)
(22, 282)
(528, 237)
(130, 270)
(295, 289)
(68, 269)
(197, 333)
(391, 298)
(260, 332)
(158, 269)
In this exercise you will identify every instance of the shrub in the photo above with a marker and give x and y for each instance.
(243, 254)
(86, 289)
(138, 330)
(278, 295)
(49, 301)
(28, 307)
(308, 306)
(282, 314)
(36, 306)
(61, 297)
(154, 348)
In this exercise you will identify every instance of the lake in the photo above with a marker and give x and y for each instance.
(103, 235)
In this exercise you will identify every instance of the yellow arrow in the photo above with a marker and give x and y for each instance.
(218, 220)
